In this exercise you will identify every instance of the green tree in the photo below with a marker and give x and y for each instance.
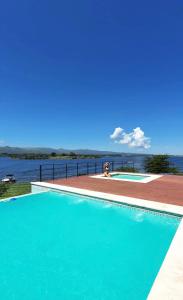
(53, 154)
(72, 154)
(159, 164)
(63, 154)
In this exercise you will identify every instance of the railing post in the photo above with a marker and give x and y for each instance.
(95, 168)
(53, 175)
(40, 173)
(65, 170)
(77, 169)
(87, 168)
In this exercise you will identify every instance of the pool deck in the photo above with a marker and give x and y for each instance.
(166, 189)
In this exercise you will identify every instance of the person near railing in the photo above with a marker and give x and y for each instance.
(106, 169)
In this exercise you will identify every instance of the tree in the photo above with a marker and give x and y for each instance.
(53, 154)
(159, 164)
(63, 154)
(72, 154)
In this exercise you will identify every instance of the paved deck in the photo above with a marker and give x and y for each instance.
(167, 189)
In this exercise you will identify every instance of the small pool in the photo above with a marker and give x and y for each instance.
(65, 246)
(133, 177)
(129, 177)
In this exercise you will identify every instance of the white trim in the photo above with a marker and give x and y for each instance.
(168, 284)
(149, 177)
(148, 204)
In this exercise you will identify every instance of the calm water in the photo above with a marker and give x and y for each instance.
(58, 246)
(29, 169)
(129, 177)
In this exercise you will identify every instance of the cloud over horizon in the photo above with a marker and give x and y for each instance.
(134, 139)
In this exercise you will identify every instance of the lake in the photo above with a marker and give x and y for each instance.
(27, 170)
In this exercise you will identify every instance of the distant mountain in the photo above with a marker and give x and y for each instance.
(47, 150)
(20, 150)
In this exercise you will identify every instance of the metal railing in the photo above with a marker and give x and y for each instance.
(59, 171)
(54, 171)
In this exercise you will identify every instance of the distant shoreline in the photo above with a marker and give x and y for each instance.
(51, 156)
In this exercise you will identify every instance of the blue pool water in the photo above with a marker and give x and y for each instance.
(129, 176)
(61, 246)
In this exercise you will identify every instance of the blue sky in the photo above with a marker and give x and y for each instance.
(72, 71)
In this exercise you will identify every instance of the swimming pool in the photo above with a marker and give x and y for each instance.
(67, 246)
(133, 177)
(129, 176)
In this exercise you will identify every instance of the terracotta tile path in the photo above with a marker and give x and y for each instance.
(167, 189)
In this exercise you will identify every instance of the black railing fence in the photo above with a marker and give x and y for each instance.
(45, 172)
(58, 171)
(53, 171)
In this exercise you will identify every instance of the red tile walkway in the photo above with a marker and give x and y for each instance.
(167, 189)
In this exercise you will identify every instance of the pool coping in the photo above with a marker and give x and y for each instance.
(168, 284)
(141, 203)
(150, 177)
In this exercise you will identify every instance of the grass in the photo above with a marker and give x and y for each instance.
(15, 189)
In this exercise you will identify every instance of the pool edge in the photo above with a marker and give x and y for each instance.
(150, 177)
(142, 203)
(168, 282)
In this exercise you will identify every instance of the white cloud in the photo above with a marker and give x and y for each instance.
(126, 138)
(134, 139)
(117, 132)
